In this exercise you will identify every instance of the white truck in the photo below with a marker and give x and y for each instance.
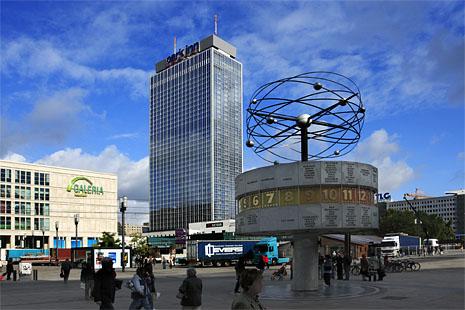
(392, 244)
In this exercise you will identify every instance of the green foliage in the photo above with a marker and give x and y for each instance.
(404, 221)
(108, 241)
(140, 247)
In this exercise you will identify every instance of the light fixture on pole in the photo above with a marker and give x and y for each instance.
(56, 244)
(76, 222)
(43, 239)
(123, 201)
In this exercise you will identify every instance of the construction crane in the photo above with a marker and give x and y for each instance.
(417, 195)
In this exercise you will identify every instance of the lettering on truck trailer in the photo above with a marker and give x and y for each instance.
(225, 249)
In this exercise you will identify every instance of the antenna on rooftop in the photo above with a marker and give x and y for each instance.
(216, 24)
(174, 45)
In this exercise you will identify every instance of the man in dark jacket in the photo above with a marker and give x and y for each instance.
(240, 267)
(347, 263)
(261, 263)
(9, 269)
(87, 277)
(105, 285)
(65, 270)
(191, 291)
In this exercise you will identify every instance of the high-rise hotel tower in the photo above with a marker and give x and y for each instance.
(195, 135)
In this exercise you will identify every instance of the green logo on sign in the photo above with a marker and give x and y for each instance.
(82, 189)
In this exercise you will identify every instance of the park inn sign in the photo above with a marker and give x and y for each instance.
(82, 186)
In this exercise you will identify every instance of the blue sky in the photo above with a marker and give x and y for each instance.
(74, 78)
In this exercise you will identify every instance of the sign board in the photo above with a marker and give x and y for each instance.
(82, 186)
(113, 254)
(25, 268)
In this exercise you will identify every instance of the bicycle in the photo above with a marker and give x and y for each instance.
(355, 269)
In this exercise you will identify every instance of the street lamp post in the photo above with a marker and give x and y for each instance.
(123, 204)
(56, 245)
(43, 239)
(76, 222)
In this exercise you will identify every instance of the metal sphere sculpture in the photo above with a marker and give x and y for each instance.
(323, 107)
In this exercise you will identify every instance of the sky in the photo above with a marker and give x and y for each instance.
(74, 79)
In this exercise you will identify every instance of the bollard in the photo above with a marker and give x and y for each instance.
(14, 275)
(35, 274)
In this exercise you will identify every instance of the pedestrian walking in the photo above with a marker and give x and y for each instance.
(239, 267)
(9, 269)
(327, 270)
(141, 292)
(105, 285)
(150, 278)
(65, 270)
(251, 284)
(347, 263)
(190, 291)
(364, 267)
(261, 263)
(320, 266)
(380, 270)
(164, 263)
(87, 279)
(266, 260)
(373, 268)
(339, 262)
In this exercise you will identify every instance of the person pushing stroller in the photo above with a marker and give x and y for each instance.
(280, 273)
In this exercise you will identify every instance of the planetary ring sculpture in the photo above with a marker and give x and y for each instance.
(329, 110)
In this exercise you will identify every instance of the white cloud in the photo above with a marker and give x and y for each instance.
(378, 149)
(52, 119)
(402, 63)
(461, 156)
(38, 58)
(133, 176)
(128, 135)
(14, 157)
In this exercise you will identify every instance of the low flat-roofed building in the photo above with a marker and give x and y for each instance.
(449, 208)
(35, 200)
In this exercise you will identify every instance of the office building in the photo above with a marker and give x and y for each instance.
(130, 229)
(195, 135)
(449, 208)
(36, 198)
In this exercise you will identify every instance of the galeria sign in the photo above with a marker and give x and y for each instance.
(82, 187)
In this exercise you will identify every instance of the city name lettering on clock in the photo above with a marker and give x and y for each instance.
(183, 53)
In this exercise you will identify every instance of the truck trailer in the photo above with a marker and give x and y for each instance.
(392, 244)
(218, 252)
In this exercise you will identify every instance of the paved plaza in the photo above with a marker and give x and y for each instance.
(439, 285)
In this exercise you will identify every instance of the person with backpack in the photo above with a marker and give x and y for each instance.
(140, 291)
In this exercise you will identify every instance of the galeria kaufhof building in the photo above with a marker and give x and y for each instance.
(34, 199)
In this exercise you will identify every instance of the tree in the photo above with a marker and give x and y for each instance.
(108, 241)
(404, 221)
(140, 247)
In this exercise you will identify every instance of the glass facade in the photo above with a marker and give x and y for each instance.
(18, 209)
(195, 140)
